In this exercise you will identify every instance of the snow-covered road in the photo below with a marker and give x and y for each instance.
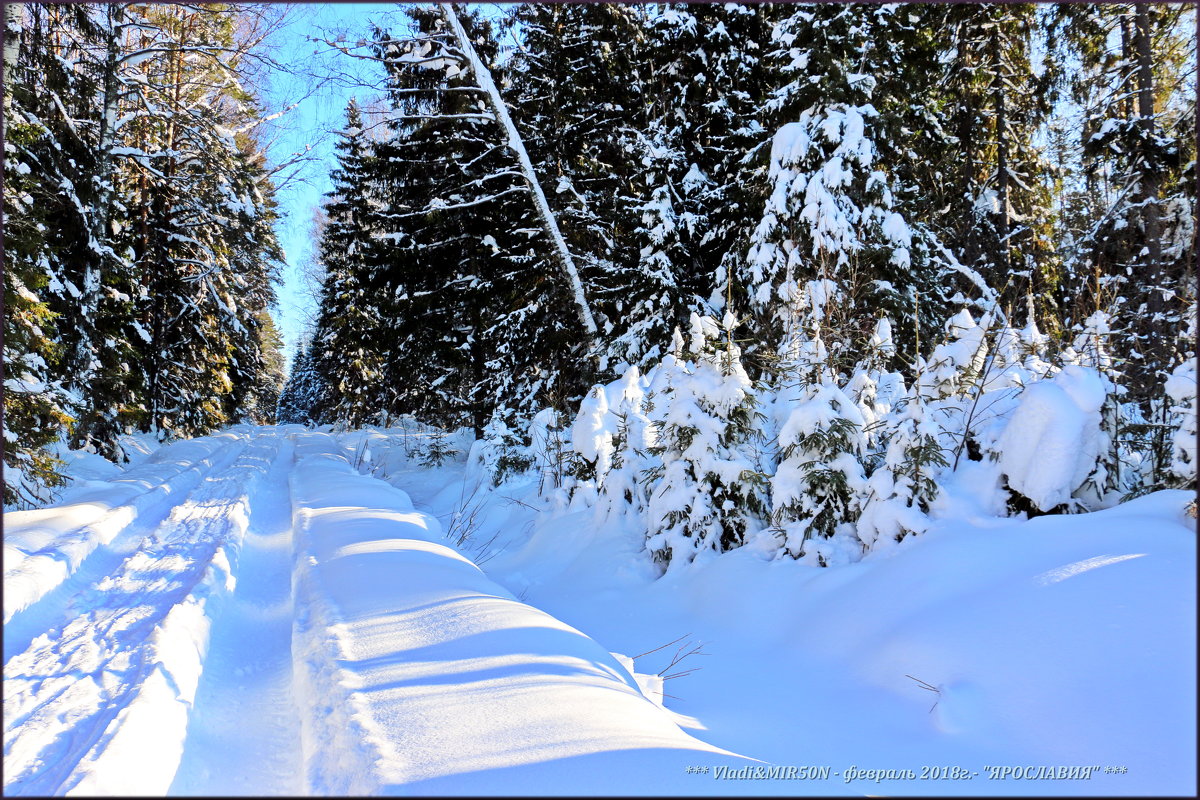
(247, 614)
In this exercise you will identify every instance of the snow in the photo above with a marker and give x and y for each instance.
(281, 622)
(1053, 438)
(100, 705)
(42, 547)
(425, 676)
(1023, 628)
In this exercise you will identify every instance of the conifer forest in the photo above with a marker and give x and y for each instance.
(840, 309)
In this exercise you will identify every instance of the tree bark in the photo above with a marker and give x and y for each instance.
(1003, 266)
(14, 17)
(1156, 339)
(1150, 179)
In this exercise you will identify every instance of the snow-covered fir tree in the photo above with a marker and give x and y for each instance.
(708, 496)
(832, 213)
(36, 409)
(302, 397)
(352, 328)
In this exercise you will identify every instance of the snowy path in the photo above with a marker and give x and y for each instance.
(243, 735)
(277, 623)
(99, 706)
(435, 680)
(45, 547)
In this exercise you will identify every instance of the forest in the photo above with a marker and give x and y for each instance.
(818, 253)
(606, 399)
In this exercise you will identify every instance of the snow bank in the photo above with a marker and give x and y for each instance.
(417, 674)
(1063, 640)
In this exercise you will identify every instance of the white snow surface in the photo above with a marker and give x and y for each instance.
(248, 614)
(392, 665)
(1052, 440)
(433, 679)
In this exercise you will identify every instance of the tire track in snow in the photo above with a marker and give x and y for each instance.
(101, 706)
(54, 609)
(420, 675)
(243, 735)
(39, 559)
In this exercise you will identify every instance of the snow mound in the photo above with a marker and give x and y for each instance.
(1052, 440)
(418, 674)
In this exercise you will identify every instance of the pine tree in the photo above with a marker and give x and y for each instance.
(993, 178)
(486, 318)
(816, 490)
(1180, 389)
(578, 90)
(695, 193)
(264, 377)
(200, 233)
(905, 483)
(654, 298)
(36, 410)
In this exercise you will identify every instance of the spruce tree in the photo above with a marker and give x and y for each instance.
(352, 327)
(36, 409)
(303, 395)
(835, 209)
(709, 495)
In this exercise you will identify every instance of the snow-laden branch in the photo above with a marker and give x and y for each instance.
(450, 206)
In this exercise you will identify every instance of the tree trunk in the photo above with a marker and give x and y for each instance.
(1003, 266)
(1157, 340)
(14, 17)
(1150, 178)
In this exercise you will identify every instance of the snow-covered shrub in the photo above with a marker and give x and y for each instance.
(873, 387)
(623, 491)
(957, 363)
(1181, 389)
(706, 496)
(901, 488)
(502, 452)
(1034, 344)
(1053, 443)
(550, 447)
(970, 384)
(816, 490)
(592, 437)
(436, 448)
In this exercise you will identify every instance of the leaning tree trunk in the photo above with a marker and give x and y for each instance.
(483, 78)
